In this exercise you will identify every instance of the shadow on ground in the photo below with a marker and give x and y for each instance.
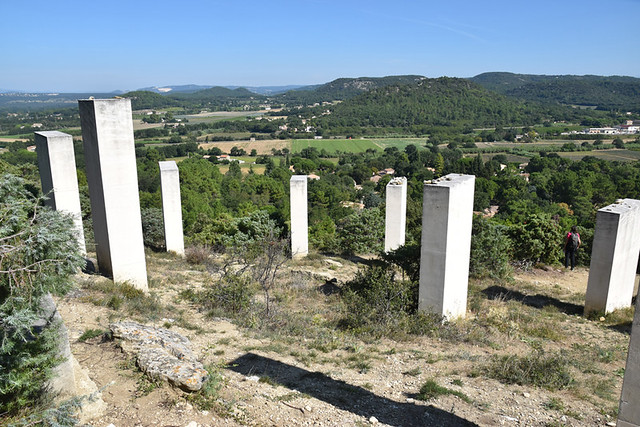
(345, 396)
(536, 301)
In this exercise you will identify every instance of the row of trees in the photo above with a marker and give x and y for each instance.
(536, 205)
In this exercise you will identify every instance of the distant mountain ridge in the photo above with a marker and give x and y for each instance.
(345, 88)
(604, 92)
(260, 90)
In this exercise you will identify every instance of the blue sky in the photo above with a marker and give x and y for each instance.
(97, 45)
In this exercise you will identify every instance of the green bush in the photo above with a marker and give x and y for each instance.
(538, 239)
(361, 232)
(377, 304)
(153, 228)
(490, 248)
(431, 390)
(407, 257)
(231, 296)
(38, 254)
(536, 368)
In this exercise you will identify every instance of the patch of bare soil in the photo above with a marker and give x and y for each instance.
(261, 146)
(279, 380)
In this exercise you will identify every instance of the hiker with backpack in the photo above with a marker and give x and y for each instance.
(571, 245)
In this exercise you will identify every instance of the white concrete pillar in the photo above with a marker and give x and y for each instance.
(171, 207)
(447, 213)
(614, 257)
(629, 412)
(59, 178)
(395, 214)
(299, 220)
(107, 134)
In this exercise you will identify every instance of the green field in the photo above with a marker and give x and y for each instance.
(354, 145)
(612, 155)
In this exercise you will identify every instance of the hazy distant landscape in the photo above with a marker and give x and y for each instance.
(341, 325)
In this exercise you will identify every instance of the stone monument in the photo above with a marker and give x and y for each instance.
(107, 134)
(299, 220)
(447, 213)
(629, 412)
(395, 214)
(614, 257)
(59, 179)
(171, 207)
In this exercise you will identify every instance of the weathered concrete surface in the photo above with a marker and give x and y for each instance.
(395, 214)
(69, 378)
(614, 257)
(299, 219)
(62, 382)
(107, 134)
(171, 207)
(161, 354)
(629, 412)
(447, 213)
(57, 166)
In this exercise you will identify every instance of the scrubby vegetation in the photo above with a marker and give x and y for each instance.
(38, 254)
(236, 222)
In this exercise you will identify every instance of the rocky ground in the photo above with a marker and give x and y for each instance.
(275, 380)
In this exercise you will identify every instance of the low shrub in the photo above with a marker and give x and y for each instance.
(537, 369)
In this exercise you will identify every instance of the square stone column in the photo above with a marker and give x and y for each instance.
(58, 175)
(395, 214)
(629, 412)
(447, 213)
(614, 257)
(107, 134)
(299, 219)
(171, 207)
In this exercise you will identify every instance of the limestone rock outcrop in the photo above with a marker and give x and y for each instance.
(161, 354)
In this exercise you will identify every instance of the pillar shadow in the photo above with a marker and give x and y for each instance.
(536, 301)
(623, 328)
(345, 396)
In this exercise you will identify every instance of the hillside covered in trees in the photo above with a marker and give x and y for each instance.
(605, 93)
(443, 102)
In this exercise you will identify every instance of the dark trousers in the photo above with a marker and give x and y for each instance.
(570, 255)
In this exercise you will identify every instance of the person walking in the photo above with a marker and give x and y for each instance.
(571, 244)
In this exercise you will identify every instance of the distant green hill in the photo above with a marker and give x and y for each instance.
(431, 102)
(440, 103)
(141, 99)
(216, 92)
(613, 92)
(343, 88)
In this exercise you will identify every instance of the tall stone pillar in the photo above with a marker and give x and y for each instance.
(59, 179)
(614, 257)
(395, 214)
(447, 213)
(107, 134)
(299, 220)
(171, 207)
(629, 412)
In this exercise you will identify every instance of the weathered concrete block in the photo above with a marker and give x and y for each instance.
(447, 213)
(69, 378)
(63, 380)
(161, 354)
(57, 166)
(395, 214)
(614, 257)
(107, 134)
(629, 413)
(299, 220)
(171, 207)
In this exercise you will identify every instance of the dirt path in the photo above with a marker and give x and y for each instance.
(290, 382)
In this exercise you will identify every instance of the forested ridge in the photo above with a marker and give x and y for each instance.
(441, 102)
(606, 93)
